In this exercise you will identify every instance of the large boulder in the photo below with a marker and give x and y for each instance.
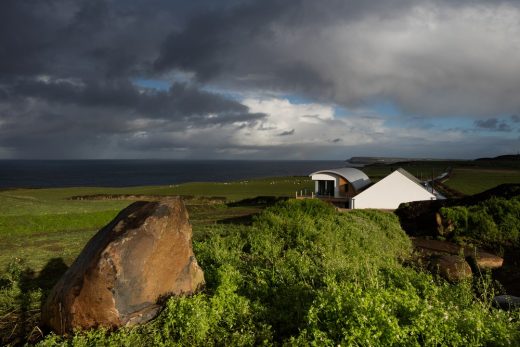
(142, 256)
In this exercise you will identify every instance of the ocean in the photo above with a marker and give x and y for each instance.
(123, 173)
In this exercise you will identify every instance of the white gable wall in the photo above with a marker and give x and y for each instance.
(390, 192)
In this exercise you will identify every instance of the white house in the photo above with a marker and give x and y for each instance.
(351, 188)
(398, 187)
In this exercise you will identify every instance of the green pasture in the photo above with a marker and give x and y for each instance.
(31, 217)
(56, 200)
(40, 224)
(471, 180)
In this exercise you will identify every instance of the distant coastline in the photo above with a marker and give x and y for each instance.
(363, 161)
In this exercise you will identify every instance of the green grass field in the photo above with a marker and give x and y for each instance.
(421, 169)
(43, 230)
(475, 180)
(40, 224)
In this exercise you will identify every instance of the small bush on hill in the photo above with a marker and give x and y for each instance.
(457, 218)
(493, 222)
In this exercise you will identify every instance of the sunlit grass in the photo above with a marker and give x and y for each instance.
(39, 224)
(475, 180)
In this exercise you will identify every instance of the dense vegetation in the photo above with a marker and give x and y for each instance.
(304, 274)
(492, 223)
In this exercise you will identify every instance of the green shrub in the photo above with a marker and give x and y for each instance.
(505, 214)
(20, 299)
(492, 223)
(457, 220)
(483, 228)
(406, 309)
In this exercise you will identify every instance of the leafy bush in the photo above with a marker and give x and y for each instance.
(406, 309)
(493, 222)
(304, 274)
(457, 218)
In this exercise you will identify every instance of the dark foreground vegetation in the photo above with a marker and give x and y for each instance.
(492, 222)
(303, 274)
(489, 219)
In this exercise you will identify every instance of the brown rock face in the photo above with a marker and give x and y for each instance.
(487, 261)
(144, 254)
(484, 260)
(451, 267)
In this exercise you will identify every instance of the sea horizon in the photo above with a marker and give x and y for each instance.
(57, 173)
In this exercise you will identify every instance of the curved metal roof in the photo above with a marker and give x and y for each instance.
(356, 177)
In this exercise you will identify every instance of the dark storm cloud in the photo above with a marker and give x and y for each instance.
(355, 52)
(181, 100)
(67, 68)
(287, 133)
(493, 124)
(26, 31)
(90, 38)
(62, 115)
(235, 40)
(66, 71)
(202, 45)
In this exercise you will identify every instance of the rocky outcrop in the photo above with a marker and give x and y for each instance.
(143, 255)
(419, 218)
(507, 302)
(484, 260)
(451, 267)
(488, 261)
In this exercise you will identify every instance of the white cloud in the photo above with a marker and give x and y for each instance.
(299, 124)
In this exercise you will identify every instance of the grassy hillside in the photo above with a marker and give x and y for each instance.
(303, 274)
(42, 223)
(298, 273)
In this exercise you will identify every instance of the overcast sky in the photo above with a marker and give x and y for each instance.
(267, 79)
